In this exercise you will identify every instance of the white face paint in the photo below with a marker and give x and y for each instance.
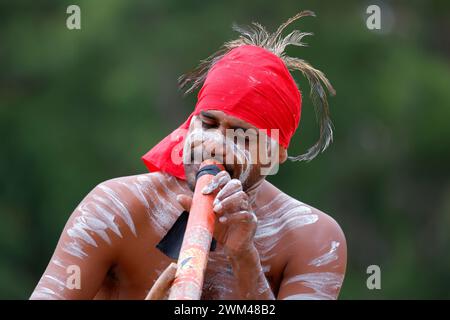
(325, 285)
(197, 136)
(328, 257)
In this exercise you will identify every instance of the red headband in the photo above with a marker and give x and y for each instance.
(249, 83)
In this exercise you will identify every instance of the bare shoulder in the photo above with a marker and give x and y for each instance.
(307, 232)
(112, 226)
(145, 197)
(310, 244)
(324, 231)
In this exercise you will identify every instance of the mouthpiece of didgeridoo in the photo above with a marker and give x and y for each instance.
(194, 251)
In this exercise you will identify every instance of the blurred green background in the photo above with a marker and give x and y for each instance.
(80, 107)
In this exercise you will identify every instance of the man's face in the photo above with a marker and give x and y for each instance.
(246, 152)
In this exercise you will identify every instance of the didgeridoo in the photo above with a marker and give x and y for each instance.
(197, 239)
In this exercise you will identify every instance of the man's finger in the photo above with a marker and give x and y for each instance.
(163, 283)
(185, 201)
(237, 201)
(218, 181)
(231, 187)
(241, 216)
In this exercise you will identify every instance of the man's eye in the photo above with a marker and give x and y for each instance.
(208, 125)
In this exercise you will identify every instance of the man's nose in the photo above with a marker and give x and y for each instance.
(215, 148)
(222, 129)
(216, 145)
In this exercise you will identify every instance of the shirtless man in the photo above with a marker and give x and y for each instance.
(269, 245)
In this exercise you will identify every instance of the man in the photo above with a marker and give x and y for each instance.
(119, 242)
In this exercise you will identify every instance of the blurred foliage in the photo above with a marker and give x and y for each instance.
(81, 107)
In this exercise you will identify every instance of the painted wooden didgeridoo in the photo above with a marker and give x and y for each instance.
(197, 239)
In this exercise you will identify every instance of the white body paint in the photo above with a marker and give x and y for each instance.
(198, 135)
(96, 224)
(219, 279)
(277, 217)
(97, 218)
(121, 207)
(44, 293)
(328, 257)
(325, 285)
(162, 212)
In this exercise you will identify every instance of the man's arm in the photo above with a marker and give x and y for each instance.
(315, 268)
(88, 246)
(252, 281)
(317, 263)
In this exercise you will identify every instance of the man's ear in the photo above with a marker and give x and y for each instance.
(282, 154)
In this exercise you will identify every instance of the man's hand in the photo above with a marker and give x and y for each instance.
(160, 289)
(235, 221)
(235, 229)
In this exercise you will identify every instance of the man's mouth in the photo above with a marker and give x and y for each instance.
(230, 168)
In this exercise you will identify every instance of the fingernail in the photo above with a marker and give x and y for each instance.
(221, 180)
(209, 188)
(178, 197)
(218, 207)
(223, 219)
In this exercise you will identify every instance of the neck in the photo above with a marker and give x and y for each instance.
(253, 193)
